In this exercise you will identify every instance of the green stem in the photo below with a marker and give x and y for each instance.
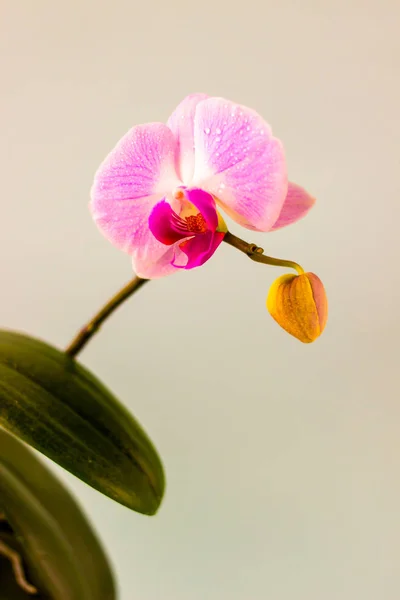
(256, 253)
(85, 334)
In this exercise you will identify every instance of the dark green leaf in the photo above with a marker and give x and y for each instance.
(54, 404)
(62, 552)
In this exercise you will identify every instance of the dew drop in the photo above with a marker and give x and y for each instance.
(218, 131)
(207, 131)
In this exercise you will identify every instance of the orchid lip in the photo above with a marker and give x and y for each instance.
(194, 234)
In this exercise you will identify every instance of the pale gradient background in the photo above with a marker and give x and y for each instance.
(283, 460)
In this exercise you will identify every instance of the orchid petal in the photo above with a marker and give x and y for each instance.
(181, 123)
(239, 161)
(132, 179)
(297, 204)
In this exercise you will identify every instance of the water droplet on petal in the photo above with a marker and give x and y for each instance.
(218, 131)
(207, 131)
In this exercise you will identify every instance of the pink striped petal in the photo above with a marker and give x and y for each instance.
(132, 179)
(181, 123)
(239, 161)
(297, 204)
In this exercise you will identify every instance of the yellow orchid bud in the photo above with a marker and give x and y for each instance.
(298, 303)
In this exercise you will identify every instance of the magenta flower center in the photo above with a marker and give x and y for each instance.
(193, 227)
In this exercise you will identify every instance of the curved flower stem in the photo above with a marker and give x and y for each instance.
(84, 335)
(257, 254)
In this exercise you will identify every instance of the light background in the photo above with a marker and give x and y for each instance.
(283, 460)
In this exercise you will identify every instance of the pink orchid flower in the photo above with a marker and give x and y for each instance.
(157, 195)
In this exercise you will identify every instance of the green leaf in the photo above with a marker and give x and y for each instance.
(64, 556)
(54, 404)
